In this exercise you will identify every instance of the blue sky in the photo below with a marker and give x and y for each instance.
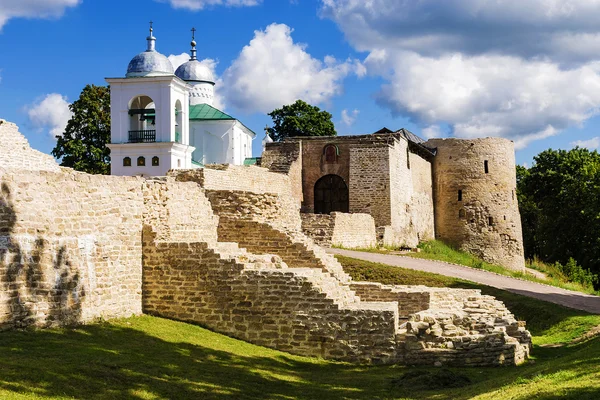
(526, 70)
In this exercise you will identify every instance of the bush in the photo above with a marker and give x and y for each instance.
(576, 273)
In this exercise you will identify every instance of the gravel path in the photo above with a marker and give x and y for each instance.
(568, 298)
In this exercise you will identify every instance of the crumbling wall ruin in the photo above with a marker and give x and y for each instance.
(74, 247)
(340, 229)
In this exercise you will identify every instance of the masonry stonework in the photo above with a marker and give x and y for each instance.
(476, 207)
(222, 247)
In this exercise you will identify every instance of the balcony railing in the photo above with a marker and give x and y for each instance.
(142, 136)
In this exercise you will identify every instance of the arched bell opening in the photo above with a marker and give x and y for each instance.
(142, 120)
(178, 121)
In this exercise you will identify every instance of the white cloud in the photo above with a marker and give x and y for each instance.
(489, 95)
(196, 5)
(52, 114)
(34, 9)
(272, 71)
(432, 131)
(349, 118)
(565, 30)
(521, 70)
(591, 144)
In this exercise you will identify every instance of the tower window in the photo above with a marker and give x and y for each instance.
(155, 161)
(407, 158)
(490, 221)
(486, 167)
(178, 163)
(141, 162)
(127, 162)
(460, 195)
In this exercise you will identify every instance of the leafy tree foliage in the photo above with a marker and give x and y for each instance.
(300, 119)
(560, 208)
(83, 144)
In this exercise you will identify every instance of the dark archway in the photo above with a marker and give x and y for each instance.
(331, 194)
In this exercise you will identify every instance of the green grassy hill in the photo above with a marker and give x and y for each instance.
(153, 358)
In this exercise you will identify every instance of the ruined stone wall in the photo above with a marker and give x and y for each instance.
(318, 227)
(278, 205)
(178, 211)
(340, 229)
(70, 247)
(476, 210)
(15, 152)
(286, 158)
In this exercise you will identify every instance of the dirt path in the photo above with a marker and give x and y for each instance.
(568, 298)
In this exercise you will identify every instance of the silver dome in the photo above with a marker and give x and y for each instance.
(149, 63)
(194, 70)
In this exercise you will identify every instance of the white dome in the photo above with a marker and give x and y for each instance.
(149, 62)
(195, 71)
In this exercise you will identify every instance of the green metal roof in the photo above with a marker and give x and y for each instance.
(206, 112)
(251, 161)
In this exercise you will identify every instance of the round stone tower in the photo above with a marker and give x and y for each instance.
(475, 198)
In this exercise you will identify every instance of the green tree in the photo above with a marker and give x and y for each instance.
(300, 119)
(560, 208)
(83, 144)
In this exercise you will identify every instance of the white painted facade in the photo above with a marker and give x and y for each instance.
(169, 97)
(220, 142)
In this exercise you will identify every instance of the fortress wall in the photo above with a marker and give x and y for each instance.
(179, 211)
(70, 247)
(286, 158)
(486, 220)
(421, 206)
(353, 230)
(290, 309)
(340, 229)
(15, 152)
(318, 227)
(369, 184)
(253, 181)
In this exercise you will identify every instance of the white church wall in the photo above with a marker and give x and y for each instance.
(220, 142)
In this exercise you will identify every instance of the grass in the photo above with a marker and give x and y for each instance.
(439, 251)
(153, 358)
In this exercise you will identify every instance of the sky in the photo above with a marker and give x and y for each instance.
(526, 70)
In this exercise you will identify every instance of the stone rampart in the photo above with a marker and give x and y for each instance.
(15, 152)
(70, 247)
(340, 229)
(73, 247)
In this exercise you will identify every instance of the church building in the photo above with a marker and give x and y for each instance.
(164, 119)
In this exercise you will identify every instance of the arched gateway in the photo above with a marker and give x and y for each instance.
(331, 194)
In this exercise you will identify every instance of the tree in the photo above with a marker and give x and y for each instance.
(560, 209)
(83, 144)
(300, 119)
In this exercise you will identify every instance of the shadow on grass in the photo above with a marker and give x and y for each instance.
(156, 358)
(108, 361)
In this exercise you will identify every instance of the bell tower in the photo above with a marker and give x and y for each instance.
(149, 117)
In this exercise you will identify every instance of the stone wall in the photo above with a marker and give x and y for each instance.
(16, 153)
(477, 209)
(411, 196)
(286, 158)
(70, 247)
(340, 229)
